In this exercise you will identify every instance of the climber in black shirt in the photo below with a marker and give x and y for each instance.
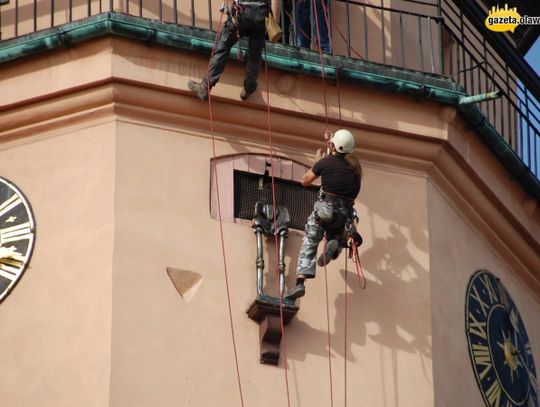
(341, 176)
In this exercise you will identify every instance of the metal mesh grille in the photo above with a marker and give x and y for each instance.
(299, 200)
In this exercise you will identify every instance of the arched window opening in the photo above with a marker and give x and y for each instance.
(247, 178)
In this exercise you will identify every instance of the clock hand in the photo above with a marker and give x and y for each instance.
(514, 319)
(10, 253)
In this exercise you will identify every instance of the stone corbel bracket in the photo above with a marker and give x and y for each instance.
(265, 310)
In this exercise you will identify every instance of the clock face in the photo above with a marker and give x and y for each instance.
(500, 351)
(17, 235)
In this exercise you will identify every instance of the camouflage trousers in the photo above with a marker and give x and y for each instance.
(329, 218)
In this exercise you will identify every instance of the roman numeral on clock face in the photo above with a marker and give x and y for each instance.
(528, 349)
(504, 296)
(9, 204)
(483, 305)
(533, 382)
(482, 359)
(17, 236)
(499, 348)
(8, 272)
(493, 394)
(486, 282)
(15, 233)
(477, 327)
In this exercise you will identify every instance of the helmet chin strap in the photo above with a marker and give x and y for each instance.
(331, 149)
(334, 151)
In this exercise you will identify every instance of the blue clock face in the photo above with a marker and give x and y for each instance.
(500, 351)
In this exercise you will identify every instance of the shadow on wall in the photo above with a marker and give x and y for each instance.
(386, 312)
(397, 273)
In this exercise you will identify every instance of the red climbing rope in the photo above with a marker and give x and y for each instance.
(322, 62)
(353, 248)
(324, 244)
(345, 40)
(353, 253)
(345, 334)
(328, 324)
(336, 70)
(271, 148)
(233, 337)
(356, 260)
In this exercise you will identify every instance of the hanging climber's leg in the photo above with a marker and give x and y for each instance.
(331, 252)
(254, 57)
(335, 232)
(308, 252)
(227, 38)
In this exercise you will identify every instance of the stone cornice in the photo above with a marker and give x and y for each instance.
(382, 78)
(163, 108)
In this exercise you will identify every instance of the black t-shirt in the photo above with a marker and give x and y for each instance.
(337, 177)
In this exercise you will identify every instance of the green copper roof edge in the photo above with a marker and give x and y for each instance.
(412, 83)
(502, 150)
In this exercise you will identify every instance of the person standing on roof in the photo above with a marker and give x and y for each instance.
(307, 18)
(245, 19)
(341, 176)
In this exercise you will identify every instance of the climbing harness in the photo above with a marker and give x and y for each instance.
(231, 12)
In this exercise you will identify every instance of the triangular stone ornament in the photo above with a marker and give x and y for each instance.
(186, 282)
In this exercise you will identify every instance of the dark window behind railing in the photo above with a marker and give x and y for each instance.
(431, 36)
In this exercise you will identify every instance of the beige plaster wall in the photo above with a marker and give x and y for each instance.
(56, 324)
(457, 250)
(166, 350)
(131, 199)
(31, 79)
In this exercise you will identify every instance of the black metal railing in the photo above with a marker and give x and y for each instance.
(475, 65)
(431, 36)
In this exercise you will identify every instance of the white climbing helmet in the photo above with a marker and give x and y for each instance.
(343, 141)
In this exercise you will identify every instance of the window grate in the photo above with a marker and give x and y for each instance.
(250, 188)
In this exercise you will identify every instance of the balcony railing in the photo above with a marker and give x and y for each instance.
(431, 36)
